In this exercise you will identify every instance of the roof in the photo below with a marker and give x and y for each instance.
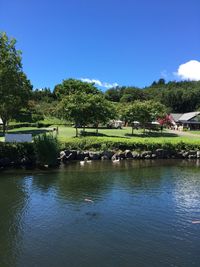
(184, 117)
(188, 116)
(176, 116)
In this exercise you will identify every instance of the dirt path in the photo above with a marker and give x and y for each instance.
(180, 133)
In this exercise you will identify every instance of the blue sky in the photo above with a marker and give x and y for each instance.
(125, 42)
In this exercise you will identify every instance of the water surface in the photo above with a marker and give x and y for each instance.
(141, 215)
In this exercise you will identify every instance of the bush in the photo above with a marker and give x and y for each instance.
(103, 143)
(47, 149)
(16, 152)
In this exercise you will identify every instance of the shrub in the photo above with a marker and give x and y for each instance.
(47, 149)
(103, 143)
(16, 152)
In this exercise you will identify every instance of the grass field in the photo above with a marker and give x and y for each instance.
(117, 139)
(195, 132)
(66, 133)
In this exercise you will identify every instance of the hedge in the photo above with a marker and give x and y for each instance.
(102, 143)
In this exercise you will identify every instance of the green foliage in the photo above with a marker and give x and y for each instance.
(178, 97)
(15, 152)
(75, 107)
(144, 112)
(27, 116)
(14, 87)
(73, 86)
(83, 109)
(125, 94)
(114, 94)
(137, 143)
(100, 110)
(47, 149)
(43, 94)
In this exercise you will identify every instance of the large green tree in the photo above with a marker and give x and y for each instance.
(143, 112)
(15, 88)
(84, 109)
(101, 110)
(73, 86)
(75, 107)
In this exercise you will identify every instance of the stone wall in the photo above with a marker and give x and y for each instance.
(68, 155)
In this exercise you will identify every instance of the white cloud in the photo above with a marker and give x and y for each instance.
(189, 71)
(99, 83)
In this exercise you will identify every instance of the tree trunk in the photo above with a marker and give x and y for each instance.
(76, 131)
(97, 129)
(4, 126)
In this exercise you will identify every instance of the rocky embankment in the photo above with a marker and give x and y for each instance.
(69, 155)
(66, 156)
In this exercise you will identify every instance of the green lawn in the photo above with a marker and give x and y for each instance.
(194, 132)
(65, 133)
(116, 139)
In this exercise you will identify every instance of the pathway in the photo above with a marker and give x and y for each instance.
(182, 133)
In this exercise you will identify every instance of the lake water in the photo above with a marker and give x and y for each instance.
(141, 215)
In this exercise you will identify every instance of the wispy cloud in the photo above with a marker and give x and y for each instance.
(189, 71)
(99, 83)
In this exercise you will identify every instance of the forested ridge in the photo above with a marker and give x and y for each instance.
(180, 97)
(177, 96)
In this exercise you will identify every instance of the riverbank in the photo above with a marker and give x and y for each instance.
(25, 155)
(71, 155)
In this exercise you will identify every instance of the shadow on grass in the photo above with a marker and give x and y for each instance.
(33, 132)
(152, 134)
(85, 134)
(129, 135)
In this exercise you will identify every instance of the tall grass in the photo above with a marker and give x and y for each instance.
(47, 149)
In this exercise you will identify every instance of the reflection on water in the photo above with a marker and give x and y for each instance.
(141, 215)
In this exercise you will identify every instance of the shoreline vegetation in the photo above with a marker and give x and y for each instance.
(48, 152)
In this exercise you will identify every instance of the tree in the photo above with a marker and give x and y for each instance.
(144, 112)
(131, 94)
(130, 115)
(15, 88)
(73, 86)
(138, 111)
(156, 110)
(75, 107)
(83, 109)
(114, 94)
(125, 94)
(179, 97)
(101, 110)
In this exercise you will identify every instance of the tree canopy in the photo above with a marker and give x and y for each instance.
(83, 109)
(178, 97)
(15, 88)
(72, 86)
(143, 112)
